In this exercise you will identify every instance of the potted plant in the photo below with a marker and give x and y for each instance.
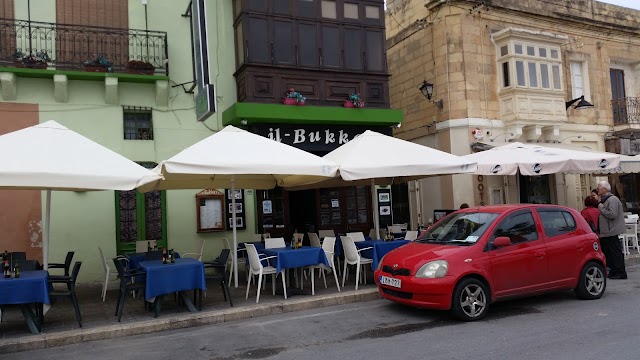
(31, 61)
(294, 98)
(354, 101)
(99, 64)
(140, 67)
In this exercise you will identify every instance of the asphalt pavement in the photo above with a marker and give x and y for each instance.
(553, 326)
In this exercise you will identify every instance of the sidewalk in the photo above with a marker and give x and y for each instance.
(61, 328)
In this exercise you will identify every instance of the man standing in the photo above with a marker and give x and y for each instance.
(611, 224)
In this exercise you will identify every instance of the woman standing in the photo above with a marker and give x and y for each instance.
(591, 212)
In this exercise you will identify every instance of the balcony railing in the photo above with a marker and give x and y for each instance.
(70, 46)
(626, 110)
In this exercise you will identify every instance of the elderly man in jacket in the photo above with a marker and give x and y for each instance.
(611, 224)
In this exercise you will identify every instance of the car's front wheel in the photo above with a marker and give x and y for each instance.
(470, 300)
(592, 282)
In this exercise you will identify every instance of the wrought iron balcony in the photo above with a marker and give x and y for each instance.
(626, 110)
(65, 46)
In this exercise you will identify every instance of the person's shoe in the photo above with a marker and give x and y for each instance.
(618, 277)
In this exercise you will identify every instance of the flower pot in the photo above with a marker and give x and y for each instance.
(96, 68)
(141, 71)
(349, 104)
(289, 101)
(300, 103)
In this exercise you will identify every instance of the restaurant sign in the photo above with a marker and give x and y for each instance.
(313, 137)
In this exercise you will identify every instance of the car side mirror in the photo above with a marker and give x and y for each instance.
(501, 241)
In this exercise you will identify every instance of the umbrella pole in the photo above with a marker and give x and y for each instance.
(374, 201)
(45, 232)
(235, 234)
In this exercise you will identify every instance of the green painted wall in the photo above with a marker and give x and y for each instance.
(82, 221)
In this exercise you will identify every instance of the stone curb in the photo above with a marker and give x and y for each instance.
(33, 342)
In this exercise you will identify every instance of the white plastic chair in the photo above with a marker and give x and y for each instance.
(271, 243)
(314, 240)
(373, 235)
(195, 255)
(352, 257)
(107, 271)
(324, 233)
(631, 235)
(256, 268)
(328, 247)
(356, 236)
(411, 235)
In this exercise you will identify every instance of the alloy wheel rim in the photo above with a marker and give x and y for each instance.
(473, 300)
(594, 281)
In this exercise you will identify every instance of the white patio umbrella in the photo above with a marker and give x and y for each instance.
(383, 160)
(531, 159)
(49, 157)
(233, 159)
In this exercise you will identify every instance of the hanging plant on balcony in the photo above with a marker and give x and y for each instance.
(99, 64)
(38, 61)
(140, 67)
(354, 101)
(294, 98)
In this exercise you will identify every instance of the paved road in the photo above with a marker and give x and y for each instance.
(556, 326)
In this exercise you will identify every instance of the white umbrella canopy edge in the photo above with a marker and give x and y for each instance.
(532, 159)
(233, 158)
(63, 160)
(363, 156)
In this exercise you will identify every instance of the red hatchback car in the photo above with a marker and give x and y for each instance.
(477, 256)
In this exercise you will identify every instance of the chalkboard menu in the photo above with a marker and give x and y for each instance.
(210, 210)
(239, 210)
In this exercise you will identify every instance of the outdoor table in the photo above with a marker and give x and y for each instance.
(338, 248)
(136, 258)
(31, 287)
(379, 248)
(288, 258)
(183, 275)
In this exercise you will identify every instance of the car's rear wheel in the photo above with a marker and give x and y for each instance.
(470, 300)
(592, 282)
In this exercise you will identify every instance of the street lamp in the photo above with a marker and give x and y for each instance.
(427, 90)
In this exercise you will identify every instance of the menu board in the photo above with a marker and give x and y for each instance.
(210, 210)
(239, 210)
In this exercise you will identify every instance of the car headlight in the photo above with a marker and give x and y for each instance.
(433, 269)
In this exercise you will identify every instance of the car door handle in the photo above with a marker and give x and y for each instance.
(539, 255)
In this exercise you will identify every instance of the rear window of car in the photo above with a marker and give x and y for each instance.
(557, 222)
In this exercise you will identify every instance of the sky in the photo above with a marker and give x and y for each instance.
(634, 4)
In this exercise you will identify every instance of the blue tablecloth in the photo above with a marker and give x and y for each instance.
(30, 287)
(136, 258)
(380, 248)
(288, 258)
(338, 248)
(185, 274)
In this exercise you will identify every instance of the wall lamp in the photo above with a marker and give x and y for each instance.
(583, 104)
(427, 90)
(497, 136)
(569, 137)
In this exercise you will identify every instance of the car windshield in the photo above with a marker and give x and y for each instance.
(459, 228)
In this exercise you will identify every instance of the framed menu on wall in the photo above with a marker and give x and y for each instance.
(239, 210)
(210, 210)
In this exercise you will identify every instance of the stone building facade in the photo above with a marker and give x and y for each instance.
(507, 70)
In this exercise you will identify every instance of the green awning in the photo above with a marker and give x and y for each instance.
(290, 114)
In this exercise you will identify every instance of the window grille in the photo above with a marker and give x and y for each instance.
(138, 124)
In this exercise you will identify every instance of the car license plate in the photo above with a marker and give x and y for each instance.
(385, 280)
